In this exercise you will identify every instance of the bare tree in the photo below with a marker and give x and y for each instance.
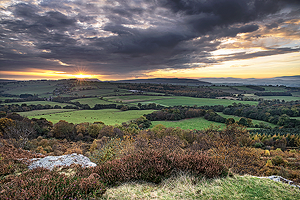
(19, 133)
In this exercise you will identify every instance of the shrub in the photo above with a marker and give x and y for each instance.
(293, 151)
(153, 166)
(41, 150)
(258, 145)
(63, 129)
(94, 130)
(277, 160)
(44, 184)
(9, 166)
(240, 160)
(267, 153)
(109, 151)
(269, 163)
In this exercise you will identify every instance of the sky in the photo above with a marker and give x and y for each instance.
(129, 39)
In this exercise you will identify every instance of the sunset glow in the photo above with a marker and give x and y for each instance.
(83, 76)
(115, 40)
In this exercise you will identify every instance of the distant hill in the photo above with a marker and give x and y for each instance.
(182, 81)
(7, 80)
(291, 81)
(88, 79)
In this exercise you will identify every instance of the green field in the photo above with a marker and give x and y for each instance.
(285, 98)
(136, 98)
(220, 87)
(51, 103)
(274, 89)
(3, 98)
(295, 118)
(108, 116)
(38, 113)
(190, 101)
(101, 92)
(91, 101)
(243, 88)
(254, 121)
(31, 87)
(198, 123)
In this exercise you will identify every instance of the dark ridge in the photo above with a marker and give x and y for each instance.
(166, 81)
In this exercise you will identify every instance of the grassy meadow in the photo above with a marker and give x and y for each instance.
(100, 92)
(108, 116)
(198, 123)
(136, 98)
(285, 98)
(184, 186)
(92, 101)
(3, 98)
(42, 88)
(51, 103)
(39, 113)
(190, 101)
(254, 121)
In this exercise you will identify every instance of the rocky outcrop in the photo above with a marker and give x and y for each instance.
(283, 180)
(50, 162)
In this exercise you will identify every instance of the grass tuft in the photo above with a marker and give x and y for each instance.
(186, 186)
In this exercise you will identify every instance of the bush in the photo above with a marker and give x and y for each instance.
(269, 163)
(9, 166)
(153, 166)
(277, 160)
(94, 130)
(63, 129)
(267, 153)
(258, 145)
(44, 184)
(109, 151)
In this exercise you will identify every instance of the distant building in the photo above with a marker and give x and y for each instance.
(136, 91)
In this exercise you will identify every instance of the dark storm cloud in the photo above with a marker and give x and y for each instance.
(129, 36)
(205, 15)
(269, 52)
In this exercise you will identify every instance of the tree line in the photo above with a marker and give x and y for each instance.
(178, 90)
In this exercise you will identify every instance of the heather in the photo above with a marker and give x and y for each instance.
(130, 153)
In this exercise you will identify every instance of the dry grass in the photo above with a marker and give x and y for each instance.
(184, 186)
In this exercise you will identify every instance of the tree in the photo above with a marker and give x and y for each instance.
(283, 120)
(20, 132)
(4, 123)
(63, 129)
(94, 130)
(229, 121)
(243, 121)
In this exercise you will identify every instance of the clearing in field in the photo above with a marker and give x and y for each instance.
(108, 116)
(101, 92)
(285, 98)
(198, 123)
(254, 121)
(51, 103)
(136, 98)
(42, 88)
(190, 101)
(92, 101)
(40, 113)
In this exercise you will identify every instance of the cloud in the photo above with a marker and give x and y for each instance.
(137, 36)
(270, 52)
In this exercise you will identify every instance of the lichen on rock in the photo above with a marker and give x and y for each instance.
(50, 162)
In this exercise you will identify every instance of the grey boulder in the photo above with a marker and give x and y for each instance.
(50, 162)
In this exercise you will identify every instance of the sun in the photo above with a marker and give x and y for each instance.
(83, 76)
